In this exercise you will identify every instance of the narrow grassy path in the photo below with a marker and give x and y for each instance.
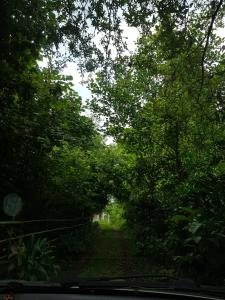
(105, 256)
(111, 254)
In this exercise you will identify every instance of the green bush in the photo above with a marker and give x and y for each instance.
(31, 260)
(203, 243)
(116, 214)
(76, 241)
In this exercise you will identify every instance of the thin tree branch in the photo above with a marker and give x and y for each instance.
(213, 18)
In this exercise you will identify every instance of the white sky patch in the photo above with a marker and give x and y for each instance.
(79, 86)
(43, 63)
(221, 32)
(130, 33)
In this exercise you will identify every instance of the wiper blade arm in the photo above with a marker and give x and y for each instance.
(172, 284)
(156, 276)
(120, 281)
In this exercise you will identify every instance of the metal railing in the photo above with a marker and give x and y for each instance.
(39, 232)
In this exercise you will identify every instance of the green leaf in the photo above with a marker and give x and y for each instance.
(179, 218)
(197, 239)
(194, 227)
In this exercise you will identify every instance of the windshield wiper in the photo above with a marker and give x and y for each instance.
(135, 280)
(173, 284)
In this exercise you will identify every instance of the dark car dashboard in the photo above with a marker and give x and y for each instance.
(106, 290)
(153, 295)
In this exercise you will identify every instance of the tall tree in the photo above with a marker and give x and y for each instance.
(163, 105)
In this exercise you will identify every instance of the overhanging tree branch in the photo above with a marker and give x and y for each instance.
(209, 31)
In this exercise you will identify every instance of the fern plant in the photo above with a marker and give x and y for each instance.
(33, 260)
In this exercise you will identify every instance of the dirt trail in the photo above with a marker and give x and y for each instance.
(109, 255)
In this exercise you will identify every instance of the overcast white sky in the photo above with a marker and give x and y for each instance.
(130, 32)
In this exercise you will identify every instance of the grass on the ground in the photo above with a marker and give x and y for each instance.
(107, 225)
(112, 253)
(104, 261)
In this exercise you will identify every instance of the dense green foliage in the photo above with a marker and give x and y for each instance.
(33, 260)
(164, 106)
(115, 212)
(51, 154)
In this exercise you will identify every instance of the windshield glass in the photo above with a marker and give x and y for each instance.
(112, 156)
